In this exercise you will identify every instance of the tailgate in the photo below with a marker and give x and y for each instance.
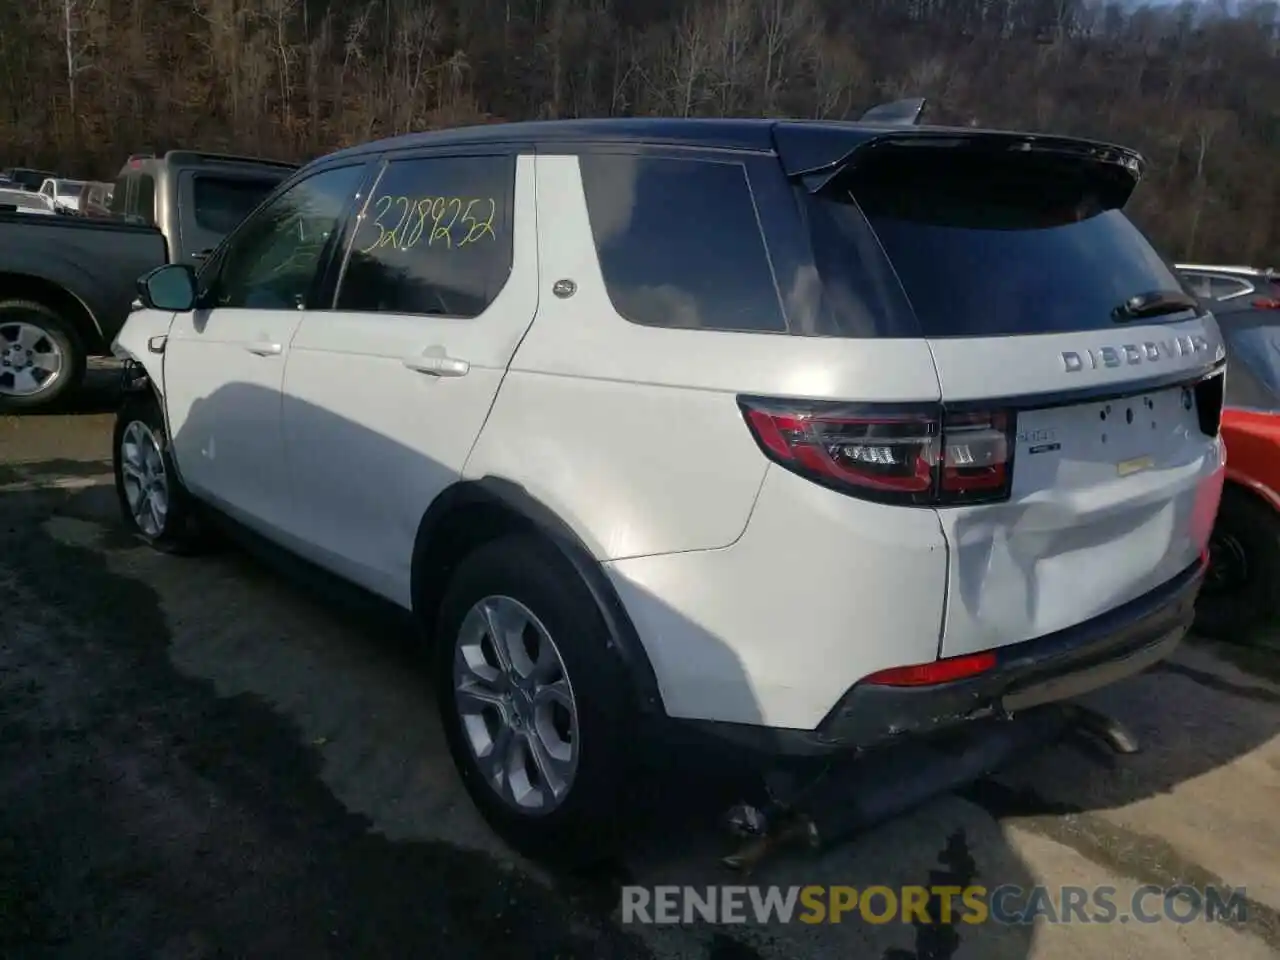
(1113, 490)
(1045, 307)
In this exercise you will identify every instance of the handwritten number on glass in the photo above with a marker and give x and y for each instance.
(448, 222)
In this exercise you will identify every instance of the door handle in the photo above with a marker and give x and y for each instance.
(264, 348)
(437, 364)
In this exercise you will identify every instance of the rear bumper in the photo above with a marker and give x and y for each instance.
(1092, 654)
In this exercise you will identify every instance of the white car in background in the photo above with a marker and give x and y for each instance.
(64, 194)
(24, 201)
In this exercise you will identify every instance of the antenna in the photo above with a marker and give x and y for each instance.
(904, 113)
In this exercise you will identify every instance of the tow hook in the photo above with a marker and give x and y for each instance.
(855, 795)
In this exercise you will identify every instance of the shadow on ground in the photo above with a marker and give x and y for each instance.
(201, 758)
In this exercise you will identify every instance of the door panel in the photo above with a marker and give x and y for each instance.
(224, 362)
(385, 395)
(223, 401)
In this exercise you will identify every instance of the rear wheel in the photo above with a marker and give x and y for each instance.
(535, 709)
(1239, 596)
(41, 356)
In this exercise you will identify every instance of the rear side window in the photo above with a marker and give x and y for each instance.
(143, 204)
(679, 243)
(222, 202)
(434, 239)
(120, 195)
(996, 244)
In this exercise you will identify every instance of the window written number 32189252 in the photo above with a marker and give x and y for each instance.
(434, 238)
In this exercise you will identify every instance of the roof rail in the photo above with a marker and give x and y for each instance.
(1228, 267)
(904, 113)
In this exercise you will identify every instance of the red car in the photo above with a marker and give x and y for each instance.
(1241, 594)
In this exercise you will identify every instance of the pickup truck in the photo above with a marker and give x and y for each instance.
(67, 284)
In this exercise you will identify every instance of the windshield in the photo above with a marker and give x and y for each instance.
(993, 245)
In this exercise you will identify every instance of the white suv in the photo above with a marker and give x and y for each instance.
(802, 436)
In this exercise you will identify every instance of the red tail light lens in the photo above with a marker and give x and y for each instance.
(914, 454)
(1267, 303)
(939, 671)
(1209, 395)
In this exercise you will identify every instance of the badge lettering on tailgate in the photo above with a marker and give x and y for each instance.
(1136, 465)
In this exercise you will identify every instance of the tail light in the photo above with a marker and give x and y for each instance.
(946, 670)
(1210, 394)
(913, 454)
(1267, 303)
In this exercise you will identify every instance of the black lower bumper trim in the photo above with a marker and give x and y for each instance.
(1070, 662)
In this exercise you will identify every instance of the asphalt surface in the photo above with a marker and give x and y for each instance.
(201, 758)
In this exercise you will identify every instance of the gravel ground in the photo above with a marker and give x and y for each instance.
(199, 758)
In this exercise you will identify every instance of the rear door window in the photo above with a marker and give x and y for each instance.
(435, 238)
(222, 202)
(993, 244)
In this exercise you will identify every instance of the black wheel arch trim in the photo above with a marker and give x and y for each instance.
(504, 494)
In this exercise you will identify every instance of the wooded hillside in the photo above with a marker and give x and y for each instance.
(1196, 87)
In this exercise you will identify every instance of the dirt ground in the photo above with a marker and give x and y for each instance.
(199, 758)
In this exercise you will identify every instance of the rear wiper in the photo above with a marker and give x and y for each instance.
(1154, 304)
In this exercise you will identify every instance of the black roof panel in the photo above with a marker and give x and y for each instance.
(804, 145)
(725, 134)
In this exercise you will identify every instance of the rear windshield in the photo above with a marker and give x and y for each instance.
(999, 244)
(222, 202)
(31, 179)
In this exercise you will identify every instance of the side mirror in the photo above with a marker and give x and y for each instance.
(171, 287)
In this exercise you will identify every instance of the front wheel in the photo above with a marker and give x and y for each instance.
(1239, 597)
(536, 710)
(153, 502)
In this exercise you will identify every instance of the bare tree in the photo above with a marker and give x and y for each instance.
(1205, 128)
(76, 49)
(691, 58)
(1191, 86)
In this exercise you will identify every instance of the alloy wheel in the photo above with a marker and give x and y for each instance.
(30, 359)
(146, 483)
(516, 705)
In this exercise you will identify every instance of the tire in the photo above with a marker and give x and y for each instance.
(1240, 597)
(586, 823)
(55, 338)
(140, 422)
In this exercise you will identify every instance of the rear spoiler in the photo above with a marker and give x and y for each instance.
(815, 152)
